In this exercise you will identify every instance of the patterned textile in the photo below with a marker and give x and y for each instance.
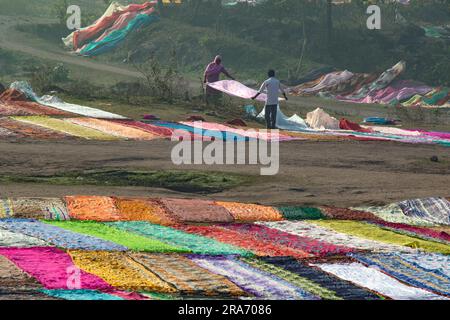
(12, 278)
(434, 210)
(377, 281)
(19, 240)
(293, 278)
(134, 209)
(348, 214)
(96, 208)
(259, 283)
(301, 213)
(58, 236)
(119, 270)
(197, 211)
(251, 212)
(372, 232)
(79, 295)
(343, 289)
(130, 240)
(186, 276)
(409, 271)
(159, 131)
(312, 246)
(32, 131)
(39, 208)
(243, 240)
(190, 242)
(6, 208)
(419, 232)
(53, 268)
(312, 231)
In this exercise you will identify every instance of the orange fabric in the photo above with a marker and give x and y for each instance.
(135, 209)
(251, 212)
(94, 208)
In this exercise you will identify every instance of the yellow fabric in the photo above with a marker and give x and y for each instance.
(119, 270)
(368, 231)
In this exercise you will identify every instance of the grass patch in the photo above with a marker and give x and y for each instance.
(182, 181)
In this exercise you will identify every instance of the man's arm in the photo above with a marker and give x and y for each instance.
(263, 86)
(283, 92)
(225, 72)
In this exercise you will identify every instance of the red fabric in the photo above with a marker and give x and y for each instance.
(345, 124)
(418, 230)
(237, 122)
(348, 214)
(242, 240)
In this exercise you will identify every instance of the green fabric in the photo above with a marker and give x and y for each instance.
(127, 239)
(301, 213)
(436, 97)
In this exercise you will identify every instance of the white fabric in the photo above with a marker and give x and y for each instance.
(310, 230)
(430, 261)
(319, 119)
(377, 281)
(272, 88)
(394, 131)
(294, 123)
(12, 239)
(330, 80)
(237, 89)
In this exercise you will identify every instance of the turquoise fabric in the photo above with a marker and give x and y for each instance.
(80, 295)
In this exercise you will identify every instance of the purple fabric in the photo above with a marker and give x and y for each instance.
(399, 90)
(213, 71)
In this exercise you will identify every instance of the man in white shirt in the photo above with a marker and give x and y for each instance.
(273, 87)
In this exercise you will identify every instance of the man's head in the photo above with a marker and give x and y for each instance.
(218, 59)
(271, 73)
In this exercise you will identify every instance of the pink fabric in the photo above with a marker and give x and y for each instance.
(442, 135)
(237, 89)
(52, 267)
(418, 230)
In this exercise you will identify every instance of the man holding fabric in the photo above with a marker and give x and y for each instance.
(212, 74)
(273, 87)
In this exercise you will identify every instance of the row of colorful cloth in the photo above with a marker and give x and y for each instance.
(371, 88)
(116, 248)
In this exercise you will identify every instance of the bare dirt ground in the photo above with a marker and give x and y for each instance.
(311, 173)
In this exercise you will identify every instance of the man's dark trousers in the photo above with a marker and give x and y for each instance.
(271, 116)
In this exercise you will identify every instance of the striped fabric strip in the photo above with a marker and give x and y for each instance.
(258, 283)
(78, 295)
(409, 272)
(6, 209)
(39, 208)
(58, 236)
(251, 212)
(301, 213)
(191, 242)
(434, 210)
(19, 240)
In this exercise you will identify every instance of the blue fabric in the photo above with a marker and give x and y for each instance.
(95, 48)
(57, 236)
(80, 295)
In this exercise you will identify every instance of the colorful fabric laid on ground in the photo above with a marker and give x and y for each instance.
(120, 271)
(113, 128)
(237, 89)
(18, 240)
(293, 123)
(58, 236)
(32, 131)
(6, 209)
(147, 127)
(14, 279)
(135, 209)
(343, 289)
(420, 232)
(368, 231)
(409, 272)
(190, 242)
(96, 208)
(66, 127)
(309, 230)
(301, 213)
(377, 281)
(259, 283)
(250, 212)
(130, 240)
(187, 277)
(320, 120)
(39, 208)
(185, 210)
(79, 295)
(434, 210)
(348, 214)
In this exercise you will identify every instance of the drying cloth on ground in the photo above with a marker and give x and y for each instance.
(135, 209)
(393, 213)
(377, 281)
(39, 208)
(12, 278)
(368, 231)
(130, 240)
(147, 127)
(320, 120)
(57, 236)
(201, 211)
(243, 240)
(81, 295)
(113, 128)
(343, 289)
(6, 133)
(191, 133)
(409, 272)
(120, 271)
(329, 80)
(309, 230)
(304, 283)
(277, 237)
(283, 122)
(256, 282)
(96, 208)
(18, 240)
(237, 89)
(348, 214)
(53, 268)
(432, 261)
(251, 212)
(66, 127)
(420, 232)
(434, 210)
(301, 213)
(345, 124)
(29, 130)
(186, 276)
(26, 296)
(6, 208)
(190, 242)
